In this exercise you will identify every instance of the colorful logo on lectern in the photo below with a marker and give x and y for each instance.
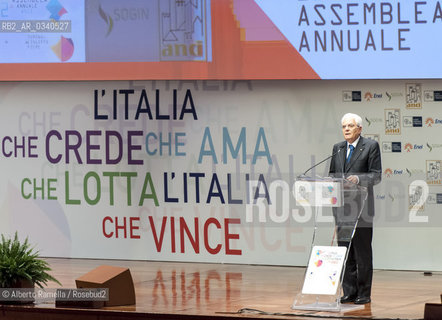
(56, 9)
(64, 48)
(318, 263)
(332, 277)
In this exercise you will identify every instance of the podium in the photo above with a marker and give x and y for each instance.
(337, 205)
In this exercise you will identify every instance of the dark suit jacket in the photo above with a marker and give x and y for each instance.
(365, 162)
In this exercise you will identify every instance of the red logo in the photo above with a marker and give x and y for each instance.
(408, 147)
(388, 172)
(368, 96)
(429, 122)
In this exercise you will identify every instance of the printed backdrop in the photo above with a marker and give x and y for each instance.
(180, 170)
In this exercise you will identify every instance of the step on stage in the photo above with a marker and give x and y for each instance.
(167, 290)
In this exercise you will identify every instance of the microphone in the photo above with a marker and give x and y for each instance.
(317, 164)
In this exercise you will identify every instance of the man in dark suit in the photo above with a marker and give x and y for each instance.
(358, 160)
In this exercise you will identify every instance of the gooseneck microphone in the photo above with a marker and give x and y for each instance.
(318, 163)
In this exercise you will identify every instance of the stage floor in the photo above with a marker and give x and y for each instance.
(183, 290)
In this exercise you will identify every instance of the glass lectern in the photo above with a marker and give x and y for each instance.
(337, 206)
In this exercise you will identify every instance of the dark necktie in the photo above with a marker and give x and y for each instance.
(351, 152)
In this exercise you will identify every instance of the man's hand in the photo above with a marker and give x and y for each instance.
(354, 179)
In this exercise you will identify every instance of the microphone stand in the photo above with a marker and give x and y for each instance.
(317, 164)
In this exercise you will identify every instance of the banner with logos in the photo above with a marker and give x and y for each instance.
(219, 39)
(205, 170)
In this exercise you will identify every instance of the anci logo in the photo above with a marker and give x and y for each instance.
(415, 193)
(433, 171)
(392, 121)
(413, 95)
(408, 147)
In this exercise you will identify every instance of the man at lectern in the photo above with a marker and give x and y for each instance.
(358, 160)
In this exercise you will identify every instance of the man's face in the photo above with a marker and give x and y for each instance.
(350, 130)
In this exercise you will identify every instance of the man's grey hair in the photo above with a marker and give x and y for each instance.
(352, 116)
